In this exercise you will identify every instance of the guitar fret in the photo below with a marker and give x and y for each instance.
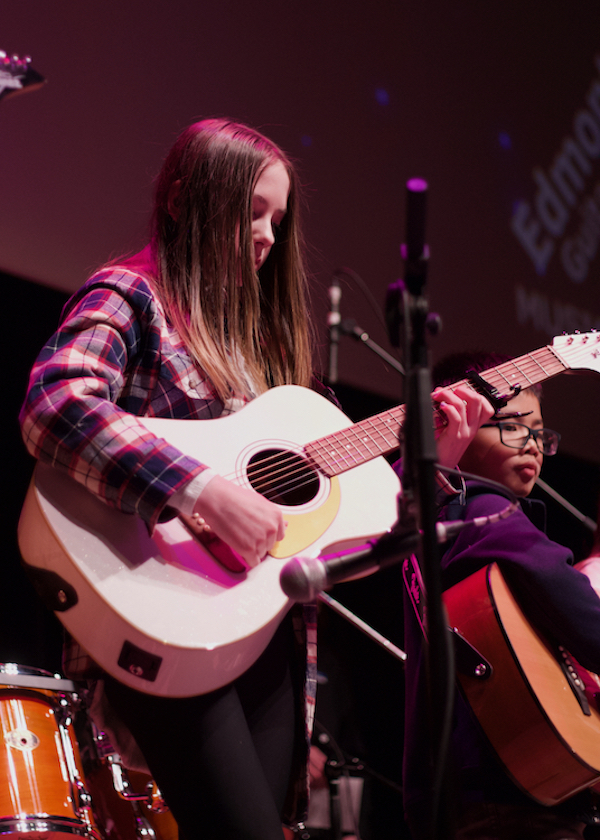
(525, 371)
(358, 444)
(533, 368)
(386, 427)
(361, 443)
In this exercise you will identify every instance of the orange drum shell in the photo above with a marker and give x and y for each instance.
(37, 781)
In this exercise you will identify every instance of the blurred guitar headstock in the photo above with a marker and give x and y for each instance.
(17, 75)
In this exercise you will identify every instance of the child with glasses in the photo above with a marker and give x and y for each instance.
(556, 598)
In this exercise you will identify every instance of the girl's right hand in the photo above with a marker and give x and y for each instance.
(242, 518)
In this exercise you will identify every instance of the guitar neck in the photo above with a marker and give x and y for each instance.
(379, 435)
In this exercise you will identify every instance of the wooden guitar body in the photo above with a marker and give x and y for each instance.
(527, 707)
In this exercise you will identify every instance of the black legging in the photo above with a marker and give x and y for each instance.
(221, 760)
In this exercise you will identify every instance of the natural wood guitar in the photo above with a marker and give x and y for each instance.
(171, 616)
(537, 706)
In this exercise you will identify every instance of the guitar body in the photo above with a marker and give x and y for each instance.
(526, 708)
(161, 613)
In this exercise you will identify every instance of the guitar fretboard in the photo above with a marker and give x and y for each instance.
(379, 435)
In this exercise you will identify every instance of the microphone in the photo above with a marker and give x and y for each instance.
(414, 251)
(416, 209)
(303, 578)
(333, 322)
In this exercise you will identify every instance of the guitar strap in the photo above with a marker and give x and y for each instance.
(413, 582)
(455, 510)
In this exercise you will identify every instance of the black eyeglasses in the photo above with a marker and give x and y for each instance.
(516, 436)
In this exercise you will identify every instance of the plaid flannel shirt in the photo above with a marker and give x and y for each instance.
(115, 358)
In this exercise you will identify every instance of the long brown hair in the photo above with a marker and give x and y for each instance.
(203, 258)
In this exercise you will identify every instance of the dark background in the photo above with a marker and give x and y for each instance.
(474, 97)
(477, 98)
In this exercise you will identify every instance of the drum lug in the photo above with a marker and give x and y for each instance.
(84, 810)
(82, 801)
(155, 801)
(121, 781)
(63, 710)
(122, 785)
(151, 797)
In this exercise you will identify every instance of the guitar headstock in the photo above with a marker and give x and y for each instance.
(579, 351)
(17, 75)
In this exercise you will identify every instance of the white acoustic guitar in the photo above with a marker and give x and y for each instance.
(164, 614)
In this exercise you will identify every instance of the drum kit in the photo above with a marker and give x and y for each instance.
(61, 775)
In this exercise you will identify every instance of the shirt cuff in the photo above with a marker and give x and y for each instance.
(184, 499)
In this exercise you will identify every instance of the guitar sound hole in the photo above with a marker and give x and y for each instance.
(283, 477)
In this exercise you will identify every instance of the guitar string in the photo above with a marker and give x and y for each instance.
(299, 469)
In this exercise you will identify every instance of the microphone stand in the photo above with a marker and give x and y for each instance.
(407, 312)
(350, 328)
(585, 520)
(361, 625)
(407, 308)
(342, 764)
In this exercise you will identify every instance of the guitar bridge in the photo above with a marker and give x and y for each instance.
(574, 679)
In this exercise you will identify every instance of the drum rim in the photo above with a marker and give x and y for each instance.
(13, 675)
(25, 670)
(46, 824)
